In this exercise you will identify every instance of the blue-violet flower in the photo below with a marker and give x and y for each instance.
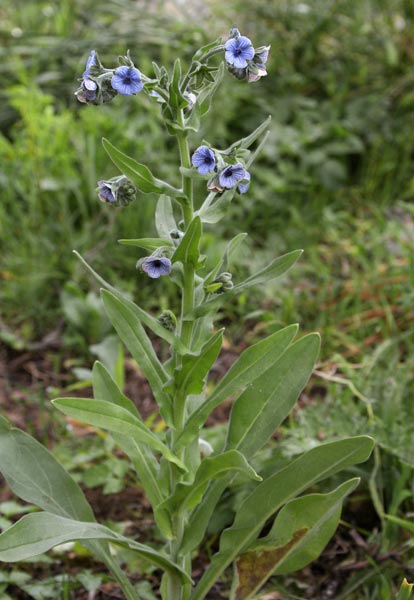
(238, 51)
(118, 191)
(245, 183)
(156, 266)
(203, 159)
(105, 193)
(127, 81)
(231, 175)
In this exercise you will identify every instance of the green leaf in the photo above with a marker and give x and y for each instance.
(177, 99)
(213, 213)
(201, 52)
(222, 264)
(190, 379)
(139, 174)
(36, 477)
(128, 326)
(112, 417)
(274, 492)
(164, 217)
(187, 496)
(206, 94)
(256, 414)
(250, 139)
(406, 591)
(251, 364)
(269, 399)
(188, 250)
(147, 243)
(140, 314)
(299, 534)
(275, 269)
(38, 532)
(142, 457)
(104, 387)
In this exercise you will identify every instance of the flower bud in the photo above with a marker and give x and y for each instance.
(118, 191)
(168, 320)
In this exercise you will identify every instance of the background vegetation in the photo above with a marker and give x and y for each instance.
(336, 178)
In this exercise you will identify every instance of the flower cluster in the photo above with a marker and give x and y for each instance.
(243, 60)
(118, 191)
(100, 85)
(225, 176)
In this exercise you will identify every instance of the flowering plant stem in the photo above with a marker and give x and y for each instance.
(174, 585)
(182, 474)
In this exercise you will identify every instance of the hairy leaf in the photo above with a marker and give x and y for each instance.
(300, 532)
(188, 250)
(274, 492)
(38, 532)
(114, 418)
(251, 364)
(187, 496)
(275, 269)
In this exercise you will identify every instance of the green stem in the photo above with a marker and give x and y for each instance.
(174, 585)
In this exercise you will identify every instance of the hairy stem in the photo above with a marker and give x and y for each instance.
(174, 585)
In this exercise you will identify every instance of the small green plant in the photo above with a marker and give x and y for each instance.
(183, 475)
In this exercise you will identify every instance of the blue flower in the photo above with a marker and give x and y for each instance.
(243, 187)
(127, 81)
(105, 193)
(238, 51)
(118, 191)
(203, 159)
(91, 62)
(262, 53)
(156, 266)
(88, 89)
(232, 174)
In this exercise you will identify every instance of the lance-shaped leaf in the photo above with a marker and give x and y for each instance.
(255, 416)
(188, 250)
(299, 534)
(406, 591)
(34, 475)
(141, 455)
(138, 173)
(250, 139)
(251, 364)
(190, 379)
(275, 269)
(187, 496)
(206, 94)
(105, 387)
(270, 495)
(128, 326)
(222, 264)
(176, 97)
(38, 532)
(140, 314)
(213, 213)
(164, 217)
(150, 244)
(269, 399)
(114, 418)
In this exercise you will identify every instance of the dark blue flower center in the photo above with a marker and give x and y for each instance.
(157, 263)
